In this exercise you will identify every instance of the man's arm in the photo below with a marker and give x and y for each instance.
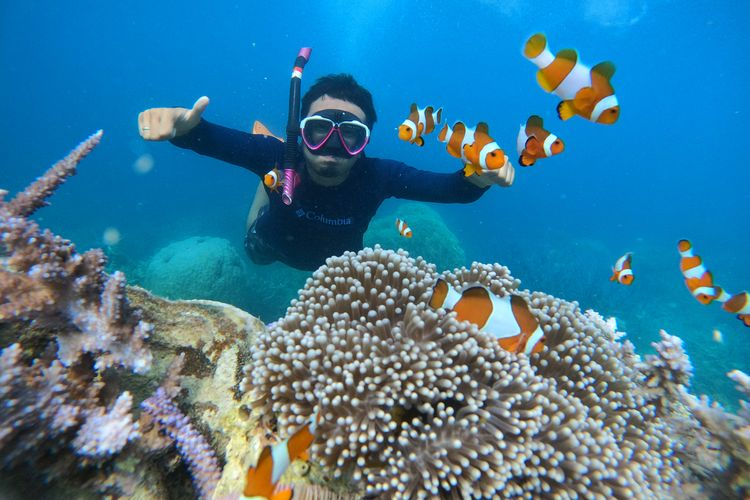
(257, 153)
(186, 129)
(413, 184)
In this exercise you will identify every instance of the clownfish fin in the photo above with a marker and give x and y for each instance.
(565, 110)
(470, 169)
(419, 141)
(439, 116)
(443, 133)
(482, 128)
(260, 129)
(413, 107)
(606, 69)
(534, 146)
(535, 121)
(282, 493)
(585, 98)
(526, 160)
(510, 344)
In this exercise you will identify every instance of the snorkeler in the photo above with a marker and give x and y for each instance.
(339, 188)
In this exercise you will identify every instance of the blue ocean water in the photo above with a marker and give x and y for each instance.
(673, 166)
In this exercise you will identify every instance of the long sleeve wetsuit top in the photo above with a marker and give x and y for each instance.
(323, 221)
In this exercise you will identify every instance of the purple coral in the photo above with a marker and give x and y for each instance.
(192, 445)
(51, 400)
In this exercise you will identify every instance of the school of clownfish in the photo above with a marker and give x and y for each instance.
(585, 92)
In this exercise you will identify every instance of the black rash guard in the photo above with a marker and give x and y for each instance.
(323, 221)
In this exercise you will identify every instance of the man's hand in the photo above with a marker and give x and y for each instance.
(502, 176)
(159, 124)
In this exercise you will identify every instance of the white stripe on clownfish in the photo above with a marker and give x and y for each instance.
(603, 105)
(548, 144)
(443, 295)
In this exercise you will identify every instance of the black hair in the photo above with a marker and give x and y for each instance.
(342, 86)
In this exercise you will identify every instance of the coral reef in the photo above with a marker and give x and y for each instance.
(200, 267)
(108, 390)
(211, 268)
(79, 350)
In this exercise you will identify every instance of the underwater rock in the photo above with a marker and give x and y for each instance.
(432, 240)
(200, 267)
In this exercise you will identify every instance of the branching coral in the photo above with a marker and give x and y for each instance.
(52, 395)
(731, 435)
(415, 403)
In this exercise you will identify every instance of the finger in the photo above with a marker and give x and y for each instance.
(198, 108)
(144, 124)
(164, 126)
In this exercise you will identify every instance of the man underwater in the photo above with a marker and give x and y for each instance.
(340, 188)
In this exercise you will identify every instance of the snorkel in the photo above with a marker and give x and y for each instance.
(291, 177)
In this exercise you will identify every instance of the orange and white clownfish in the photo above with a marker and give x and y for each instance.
(262, 479)
(586, 92)
(421, 121)
(403, 228)
(534, 142)
(483, 153)
(698, 279)
(456, 138)
(508, 319)
(622, 271)
(260, 129)
(739, 304)
(273, 179)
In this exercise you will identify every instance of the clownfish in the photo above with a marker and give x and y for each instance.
(622, 271)
(698, 279)
(739, 304)
(483, 153)
(508, 319)
(421, 121)
(403, 228)
(260, 129)
(273, 179)
(586, 92)
(534, 142)
(456, 138)
(262, 479)
(474, 146)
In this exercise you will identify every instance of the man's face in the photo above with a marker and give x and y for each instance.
(330, 170)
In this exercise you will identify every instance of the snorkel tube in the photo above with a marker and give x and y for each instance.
(291, 177)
